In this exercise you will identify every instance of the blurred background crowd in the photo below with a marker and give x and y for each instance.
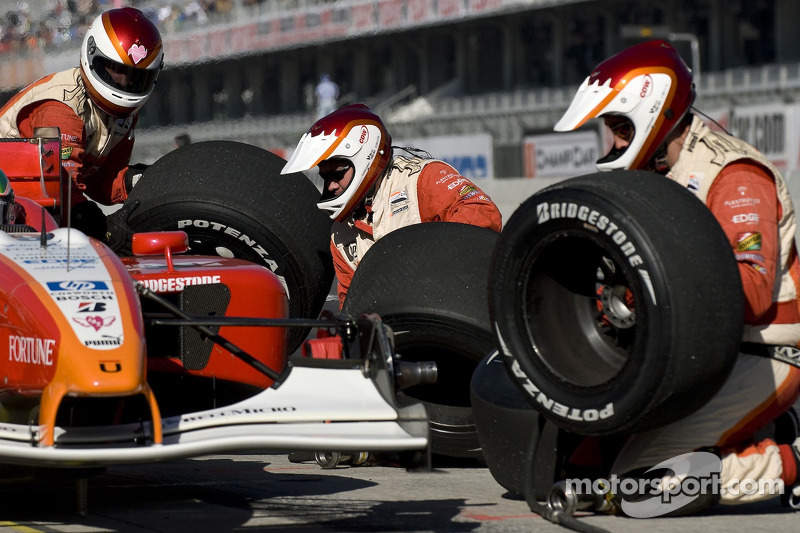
(53, 24)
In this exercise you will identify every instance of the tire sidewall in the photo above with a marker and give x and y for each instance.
(602, 407)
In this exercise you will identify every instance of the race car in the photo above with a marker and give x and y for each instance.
(153, 356)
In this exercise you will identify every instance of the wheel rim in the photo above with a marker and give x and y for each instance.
(579, 309)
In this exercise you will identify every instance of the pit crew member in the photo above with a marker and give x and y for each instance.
(644, 95)
(369, 191)
(95, 105)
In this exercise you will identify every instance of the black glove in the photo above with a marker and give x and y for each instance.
(89, 218)
(118, 232)
(133, 174)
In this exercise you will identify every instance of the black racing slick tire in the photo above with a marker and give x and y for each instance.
(507, 423)
(616, 302)
(428, 282)
(232, 201)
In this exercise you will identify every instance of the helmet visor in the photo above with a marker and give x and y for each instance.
(121, 77)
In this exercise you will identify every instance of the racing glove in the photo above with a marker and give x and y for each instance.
(133, 175)
(89, 218)
(118, 233)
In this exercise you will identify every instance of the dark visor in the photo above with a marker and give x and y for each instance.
(123, 77)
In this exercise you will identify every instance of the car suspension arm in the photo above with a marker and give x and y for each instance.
(222, 341)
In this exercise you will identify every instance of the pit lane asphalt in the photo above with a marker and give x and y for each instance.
(270, 493)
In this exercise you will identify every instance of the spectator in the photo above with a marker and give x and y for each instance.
(327, 93)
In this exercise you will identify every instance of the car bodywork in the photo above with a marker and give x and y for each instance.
(107, 360)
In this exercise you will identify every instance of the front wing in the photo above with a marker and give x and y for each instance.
(317, 406)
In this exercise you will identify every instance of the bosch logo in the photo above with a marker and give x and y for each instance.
(364, 135)
(647, 87)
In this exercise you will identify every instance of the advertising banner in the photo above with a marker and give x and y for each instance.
(560, 154)
(471, 155)
(772, 128)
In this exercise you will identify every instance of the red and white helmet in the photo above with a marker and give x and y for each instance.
(354, 134)
(650, 85)
(121, 58)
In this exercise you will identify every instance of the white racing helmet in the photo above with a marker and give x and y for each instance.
(648, 84)
(121, 58)
(354, 134)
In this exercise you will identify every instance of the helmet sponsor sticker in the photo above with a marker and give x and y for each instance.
(647, 87)
(137, 52)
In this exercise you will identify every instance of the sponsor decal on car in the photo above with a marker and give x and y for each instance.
(91, 307)
(77, 285)
(105, 341)
(31, 350)
(80, 290)
(178, 284)
(96, 322)
(223, 413)
(85, 295)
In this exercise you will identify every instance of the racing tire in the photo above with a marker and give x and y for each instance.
(428, 282)
(616, 302)
(232, 201)
(507, 424)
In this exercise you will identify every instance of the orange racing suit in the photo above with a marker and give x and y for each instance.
(412, 191)
(750, 200)
(95, 147)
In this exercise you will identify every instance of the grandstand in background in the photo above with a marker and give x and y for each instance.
(245, 69)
